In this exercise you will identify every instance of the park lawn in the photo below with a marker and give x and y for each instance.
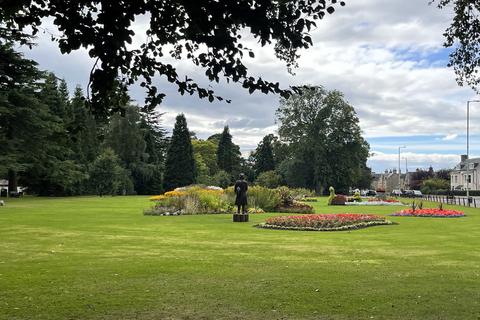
(100, 258)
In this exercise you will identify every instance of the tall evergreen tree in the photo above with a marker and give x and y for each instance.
(139, 141)
(125, 136)
(27, 124)
(180, 162)
(264, 160)
(18, 77)
(228, 153)
(83, 130)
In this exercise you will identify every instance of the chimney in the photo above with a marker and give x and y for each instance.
(463, 157)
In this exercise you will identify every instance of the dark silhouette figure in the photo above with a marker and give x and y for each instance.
(241, 187)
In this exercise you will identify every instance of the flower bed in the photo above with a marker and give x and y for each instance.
(295, 207)
(390, 200)
(374, 203)
(434, 212)
(324, 222)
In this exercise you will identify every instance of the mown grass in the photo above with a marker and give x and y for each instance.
(100, 258)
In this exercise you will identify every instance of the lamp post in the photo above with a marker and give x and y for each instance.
(399, 170)
(468, 146)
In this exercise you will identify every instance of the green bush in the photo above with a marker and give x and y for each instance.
(286, 197)
(268, 179)
(222, 179)
(296, 207)
(192, 200)
(258, 197)
(301, 193)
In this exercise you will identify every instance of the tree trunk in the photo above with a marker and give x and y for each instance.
(12, 181)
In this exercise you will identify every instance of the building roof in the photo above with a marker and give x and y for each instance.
(463, 164)
(3, 182)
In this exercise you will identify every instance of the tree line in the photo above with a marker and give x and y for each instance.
(53, 145)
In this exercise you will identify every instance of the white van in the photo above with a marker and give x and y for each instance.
(396, 193)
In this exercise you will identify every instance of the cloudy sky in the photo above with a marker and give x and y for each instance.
(385, 56)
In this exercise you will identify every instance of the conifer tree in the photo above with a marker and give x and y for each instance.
(180, 162)
(228, 154)
(264, 160)
(106, 173)
(83, 130)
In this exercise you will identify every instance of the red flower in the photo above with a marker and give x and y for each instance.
(325, 221)
(433, 212)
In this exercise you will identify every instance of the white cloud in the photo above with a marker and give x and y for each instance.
(451, 136)
(438, 161)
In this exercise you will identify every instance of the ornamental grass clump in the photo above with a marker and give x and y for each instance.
(190, 200)
(258, 197)
(324, 222)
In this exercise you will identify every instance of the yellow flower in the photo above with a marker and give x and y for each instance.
(157, 198)
(174, 193)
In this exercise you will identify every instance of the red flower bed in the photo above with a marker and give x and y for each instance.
(324, 222)
(433, 212)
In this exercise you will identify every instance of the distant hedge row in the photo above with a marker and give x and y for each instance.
(473, 193)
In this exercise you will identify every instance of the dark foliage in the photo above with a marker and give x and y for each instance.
(464, 36)
(228, 153)
(264, 159)
(180, 162)
(323, 133)
(105, 29)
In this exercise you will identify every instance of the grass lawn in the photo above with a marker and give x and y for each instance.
(100, 258)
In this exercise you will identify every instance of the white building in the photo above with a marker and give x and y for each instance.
(466, 169)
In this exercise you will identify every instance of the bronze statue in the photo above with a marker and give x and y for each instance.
(241, 187)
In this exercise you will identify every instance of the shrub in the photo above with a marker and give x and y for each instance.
(192, 200)
(301, 193)
(222, 179)
(255, 210)
(268, 179)
(286, 197)
(296, 207)
(258, 197)
(339, 200)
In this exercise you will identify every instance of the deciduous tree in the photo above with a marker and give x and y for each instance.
(207, 33)
(323, 132)
(463, 35)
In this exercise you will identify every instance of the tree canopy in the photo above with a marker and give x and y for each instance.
(180, 162)
(464, 36)
(323, 132)
(206, 32)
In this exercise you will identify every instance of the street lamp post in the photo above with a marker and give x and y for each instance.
(399, 170)
(468, 146)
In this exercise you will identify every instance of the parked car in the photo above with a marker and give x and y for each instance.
(371, 193)
(408, 194)
(396, 193)
(417, 194)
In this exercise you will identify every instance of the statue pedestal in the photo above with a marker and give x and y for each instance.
(240, 217)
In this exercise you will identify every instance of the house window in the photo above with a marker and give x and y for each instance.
(455, 178)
